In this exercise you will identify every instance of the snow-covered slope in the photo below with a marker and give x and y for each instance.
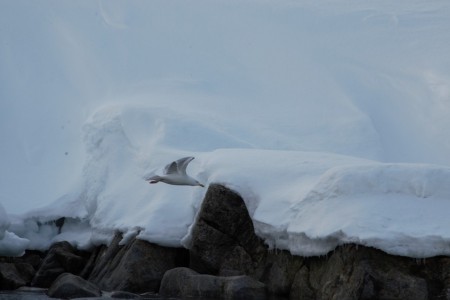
(329, 118)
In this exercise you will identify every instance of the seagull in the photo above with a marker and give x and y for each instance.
(175, 173)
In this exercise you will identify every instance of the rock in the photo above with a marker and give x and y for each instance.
(31, 290)
(101, 260)
(61, 258)
(445, 265)
(70, 286)
(186, 283)
(173, 281)
(301, 288)
(150, 295)
(136, 267)
(92, 261)
(243, 287)
(352, 272)
(124, 295)
(223, 238)
(280, 270)
(32, 257)
(15, 275)
(224, 243)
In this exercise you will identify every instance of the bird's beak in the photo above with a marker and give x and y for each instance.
(201, 185)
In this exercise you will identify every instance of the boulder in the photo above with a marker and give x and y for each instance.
(101, 259)
(186, 283)
(31, 257)
(61, 258)
(352, 272)
(224, 243)
(124, 295)
(243, 287)
(445, 278)
(136, 267)
(15, 275)
(280, 269)
(223, 238)
(301, 287)
(68, 286)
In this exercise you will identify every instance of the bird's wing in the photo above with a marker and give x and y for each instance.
(183, 163)
(171, 168)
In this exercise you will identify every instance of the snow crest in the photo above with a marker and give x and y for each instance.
(305, 202)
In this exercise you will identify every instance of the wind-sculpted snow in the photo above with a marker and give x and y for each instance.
(400, 208)
(330, 119)
(10, 243)
(306, 202)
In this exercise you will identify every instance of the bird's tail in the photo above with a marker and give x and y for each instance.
(153, 179)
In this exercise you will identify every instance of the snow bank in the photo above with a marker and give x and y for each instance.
(10, 244)
(310, 203)
(330, 119)
(305, 202)
(399, 208)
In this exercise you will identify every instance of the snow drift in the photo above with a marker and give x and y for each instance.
(306, 202)
(330, 119)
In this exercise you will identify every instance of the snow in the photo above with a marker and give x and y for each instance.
(10, 243)
(329, 118)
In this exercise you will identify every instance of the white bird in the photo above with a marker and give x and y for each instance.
(175, 173)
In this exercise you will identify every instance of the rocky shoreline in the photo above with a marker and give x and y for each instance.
(226, 260)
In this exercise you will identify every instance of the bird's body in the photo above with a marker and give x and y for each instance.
(175, 174)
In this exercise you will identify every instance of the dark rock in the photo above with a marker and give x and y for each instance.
(15, 275)
(281, 268)
(30, 289)
(444, 264)
(301, 288)
(223, 238)
(150, 295)
(186, 283)
(70, 286)
(353, 272)
(61, 258)
(136, 267)
(60, 223)
(32, 257)
(124, 295)
(243, 287)
(94, 259)
(173, 282)
(103, 260)
(224, 243)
